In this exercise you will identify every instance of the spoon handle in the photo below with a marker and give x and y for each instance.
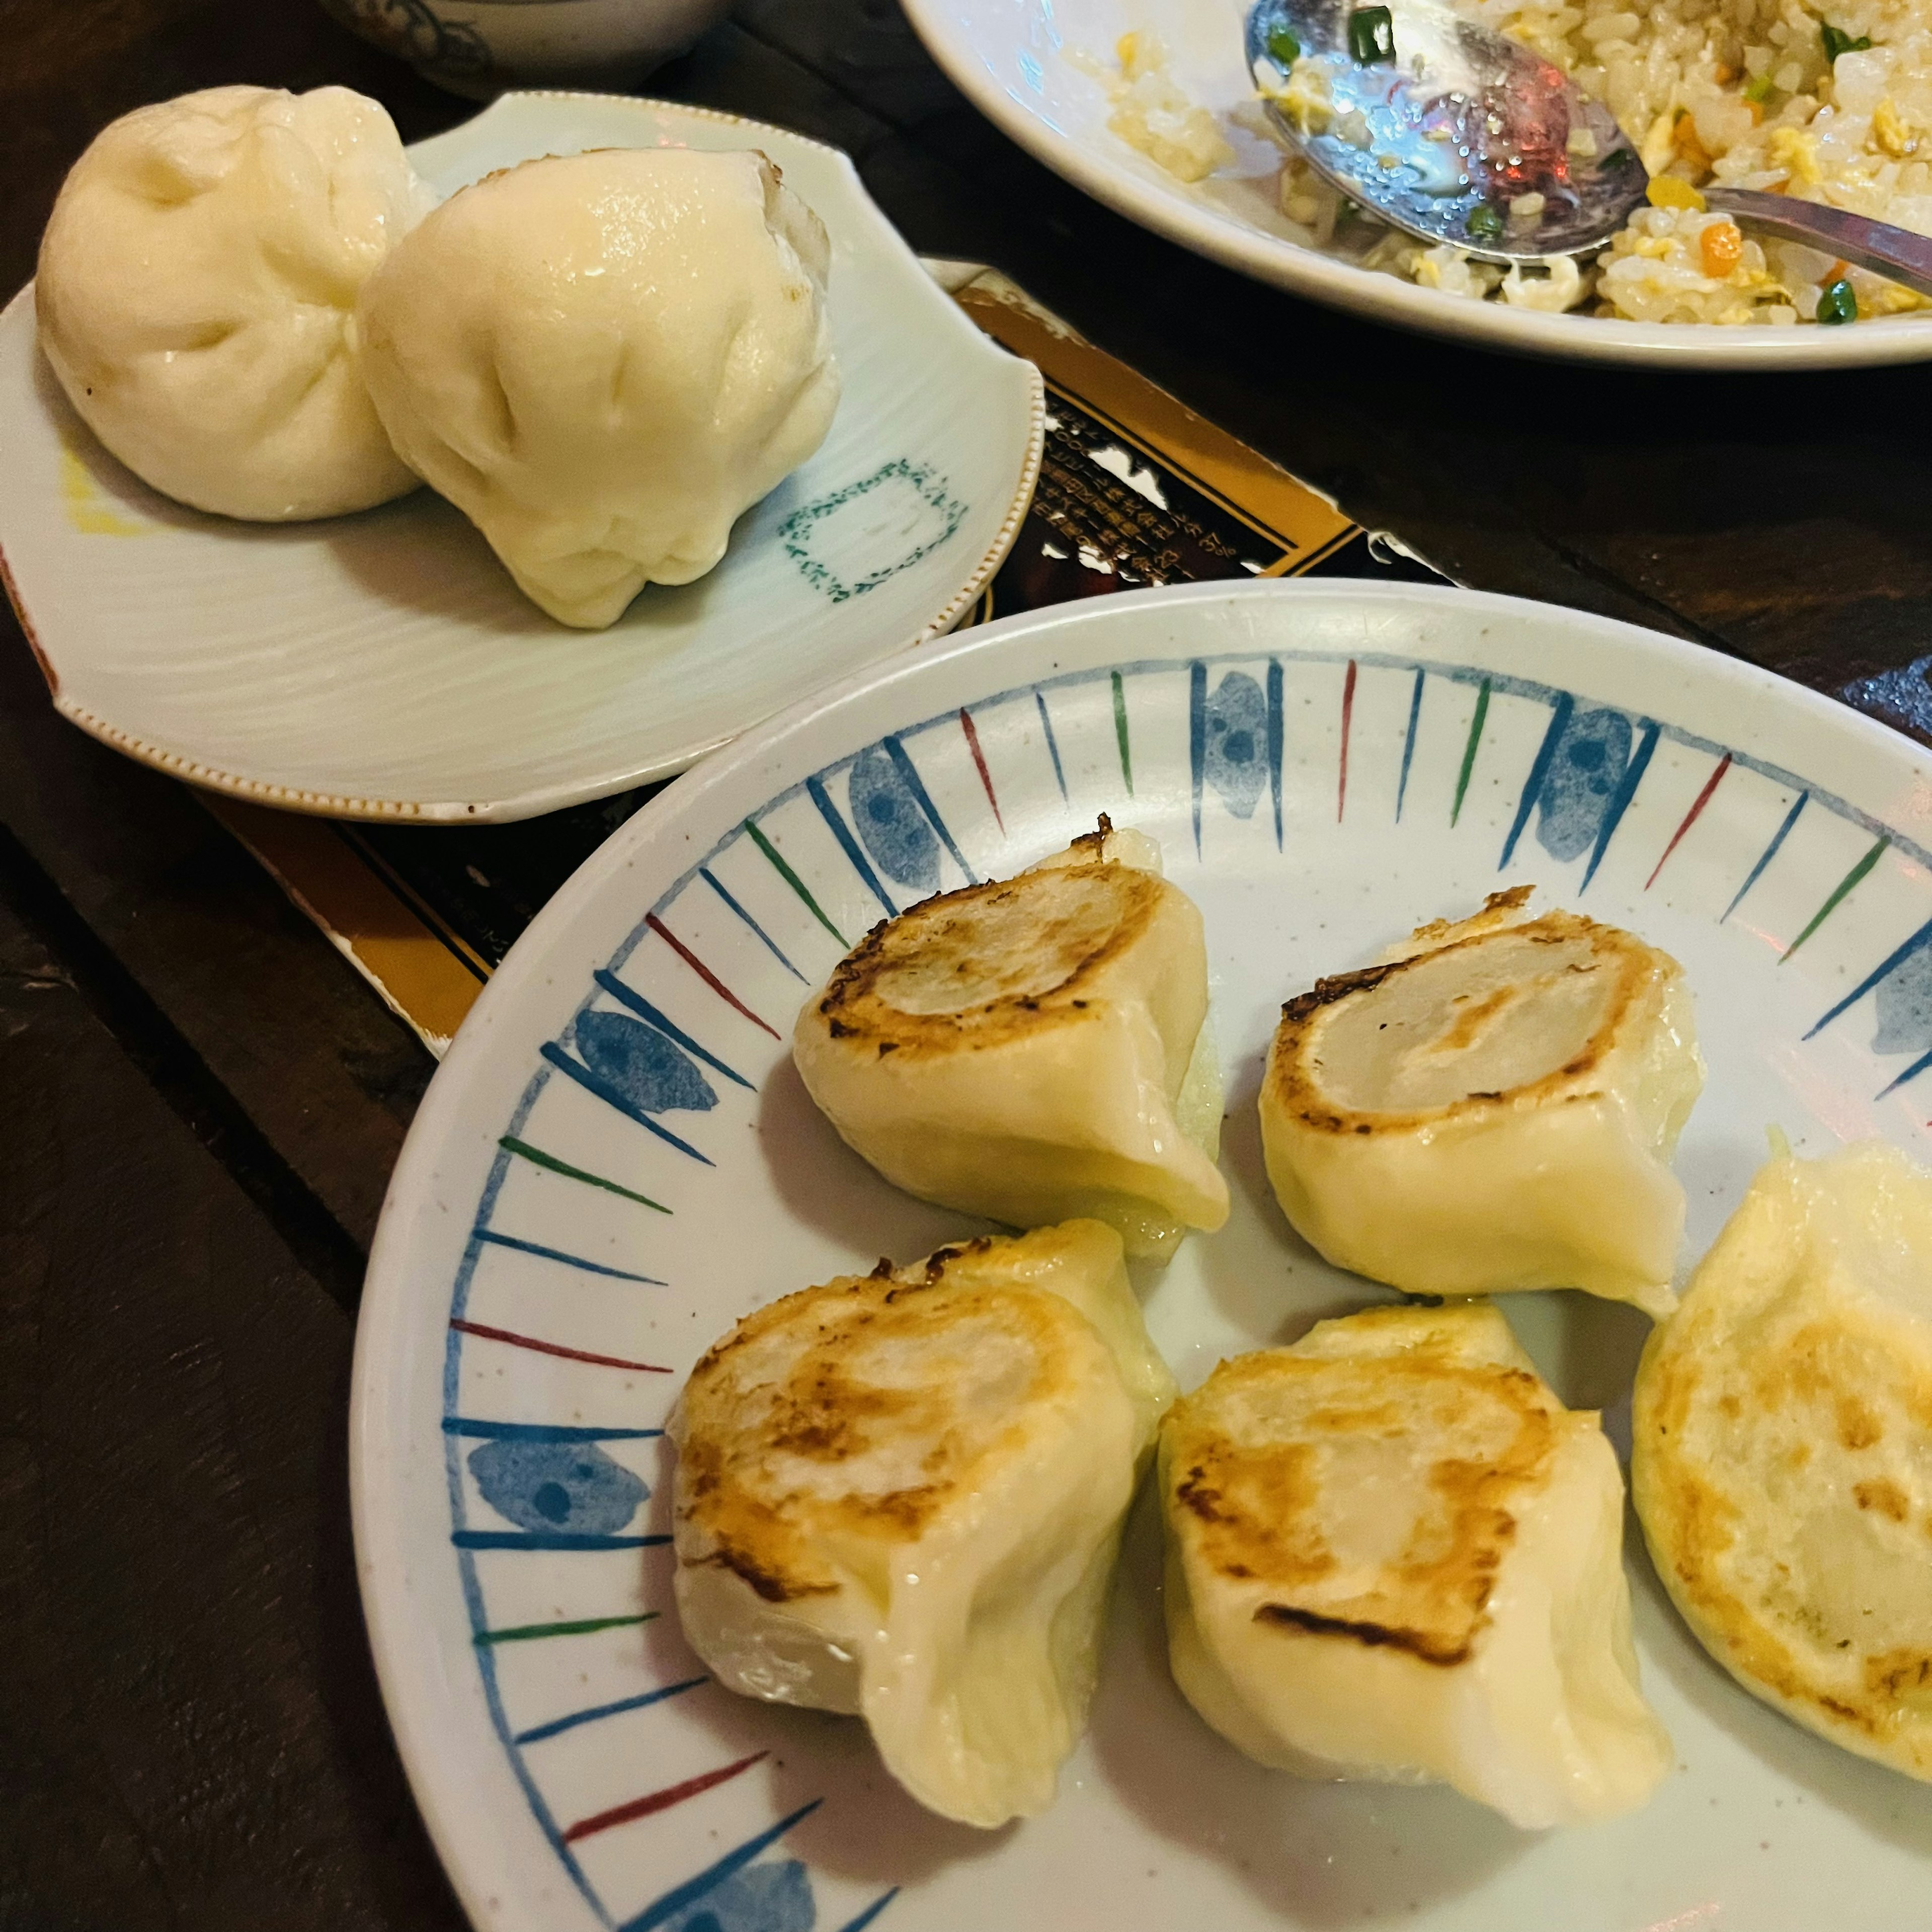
(1895, 253)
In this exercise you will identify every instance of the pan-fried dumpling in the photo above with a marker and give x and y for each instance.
(602, 359)
(1392, 1555)
(1494, 1107)
(1033, 1048)
(196, 296)
(1782, 1450)
(901, 1495)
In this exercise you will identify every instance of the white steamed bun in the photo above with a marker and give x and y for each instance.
(602, 359)
(196, 291)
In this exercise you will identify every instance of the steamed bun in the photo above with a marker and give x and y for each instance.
(602, 359)
(197, 291)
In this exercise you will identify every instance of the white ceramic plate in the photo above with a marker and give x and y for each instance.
(1008, 58)
(384, 665)
(1325, 767)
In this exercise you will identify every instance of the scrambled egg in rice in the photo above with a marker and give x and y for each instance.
(1826, 100)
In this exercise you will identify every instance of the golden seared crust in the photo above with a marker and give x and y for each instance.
(1499, 909)
(989, 962)
(1293, 1082)
(1783, 1473)
(847, 1418)
(1265, 1461)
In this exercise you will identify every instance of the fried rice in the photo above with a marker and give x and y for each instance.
(1830, 104)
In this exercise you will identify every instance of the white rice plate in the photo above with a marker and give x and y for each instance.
(1729, 93)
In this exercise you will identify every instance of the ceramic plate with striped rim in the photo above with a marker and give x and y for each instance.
(384, 666)
(616, 1161)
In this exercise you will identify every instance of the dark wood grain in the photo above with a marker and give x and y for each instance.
(281, 1021)
(190, 1735)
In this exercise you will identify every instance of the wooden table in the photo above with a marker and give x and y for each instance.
(202, 1103)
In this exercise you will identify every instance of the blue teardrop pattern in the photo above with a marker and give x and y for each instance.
(1237, 742)
(1904, 1003)
(1585, 768)
(775, 1897)
(542, 1487)
(649, 1070)
(891, 824)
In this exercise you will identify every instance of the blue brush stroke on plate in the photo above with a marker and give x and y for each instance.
(1237, 730)
(490, 1236)
(1899, 956)
(676, 1907)
(1620, 799)
(649, 1070)
(1277, 739)
(1052, 742)
(1905, 1007)
(1408, 743)
(891, 825)
(815, 791)
(542, 1432)
(629, 996)
(575, 1720)
(1585, 768)
(902, 764)
(1769, 853)
(770, 944)
(551, 1485)
(775, 1897)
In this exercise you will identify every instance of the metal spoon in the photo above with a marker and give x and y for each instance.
(1452, 133)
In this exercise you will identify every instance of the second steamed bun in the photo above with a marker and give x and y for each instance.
(603, 359)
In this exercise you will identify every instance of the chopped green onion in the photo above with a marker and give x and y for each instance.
(1484, 220)
(1371, 36)
(1837, 303)
(1760, 90)
(1838, 41)
(1283, 48)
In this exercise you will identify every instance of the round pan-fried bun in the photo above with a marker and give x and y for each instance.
(1033, 1048)
(196, 294)
(1492, 1108)
(603, 359)
(901, 1496)
(1392, 1555)
(1782, 1450)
